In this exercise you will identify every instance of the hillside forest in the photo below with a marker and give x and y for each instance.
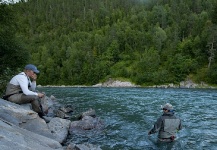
(147, 42)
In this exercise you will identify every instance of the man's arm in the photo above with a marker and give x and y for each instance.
(156, 127)
(33, 85)
(23, 82)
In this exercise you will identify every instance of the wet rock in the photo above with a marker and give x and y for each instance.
(52, 97)
(87, 123)
(44, 103)
(60, 114)
(91, 112)
(59, 127)
(67, 109)
(48, 106)
(64, 111)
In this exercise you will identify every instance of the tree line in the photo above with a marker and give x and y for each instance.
(84, 42)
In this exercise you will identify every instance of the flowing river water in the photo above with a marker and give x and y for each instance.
(129, 113)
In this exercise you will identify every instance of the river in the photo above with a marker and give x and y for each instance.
(129, 113)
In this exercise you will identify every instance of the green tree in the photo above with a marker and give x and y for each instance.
(12, 51)
(159, 37)
(84, 42)
(143, 69)
(214, 14)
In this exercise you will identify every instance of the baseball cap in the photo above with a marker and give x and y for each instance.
(32, 67)
(168, 106)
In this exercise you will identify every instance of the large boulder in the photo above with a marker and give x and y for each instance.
(23, 117)
(22, 128)
(49, 105)
(86, 123)
(13, 137)
(59, 127)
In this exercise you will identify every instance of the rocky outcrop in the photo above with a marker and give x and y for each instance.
(115, 83)
(188, 83)
(21, 128)
(184, 84)
(24, 117)
(59, 127)
(13, 137)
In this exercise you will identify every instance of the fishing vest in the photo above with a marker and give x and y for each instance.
(170, 126)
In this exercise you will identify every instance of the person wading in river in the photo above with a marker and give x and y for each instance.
(21, 89)
(167, 125)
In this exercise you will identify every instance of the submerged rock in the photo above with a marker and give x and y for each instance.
(88, 121)
(91, 112)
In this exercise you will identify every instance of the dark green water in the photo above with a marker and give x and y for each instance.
(129, 113)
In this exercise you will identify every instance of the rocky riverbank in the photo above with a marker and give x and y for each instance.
(21, 128)
(115, 83)
(184, 84)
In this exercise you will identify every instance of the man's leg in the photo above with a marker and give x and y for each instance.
(34, 100)
(24, 99)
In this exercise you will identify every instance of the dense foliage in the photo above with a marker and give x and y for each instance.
(145, 41)
(12, 52)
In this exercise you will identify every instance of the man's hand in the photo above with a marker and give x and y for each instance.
(40, 95)
(34, 77)
(149, 133)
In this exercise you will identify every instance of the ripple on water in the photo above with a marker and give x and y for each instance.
(129, 113)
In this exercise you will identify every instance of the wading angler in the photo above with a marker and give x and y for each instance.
(167, 125)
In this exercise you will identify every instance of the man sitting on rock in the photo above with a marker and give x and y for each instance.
(21, 89)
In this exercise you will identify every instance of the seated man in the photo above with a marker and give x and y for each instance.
(167, 125)
(21, 89)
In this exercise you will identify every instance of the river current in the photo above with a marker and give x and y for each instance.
(129, 113)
